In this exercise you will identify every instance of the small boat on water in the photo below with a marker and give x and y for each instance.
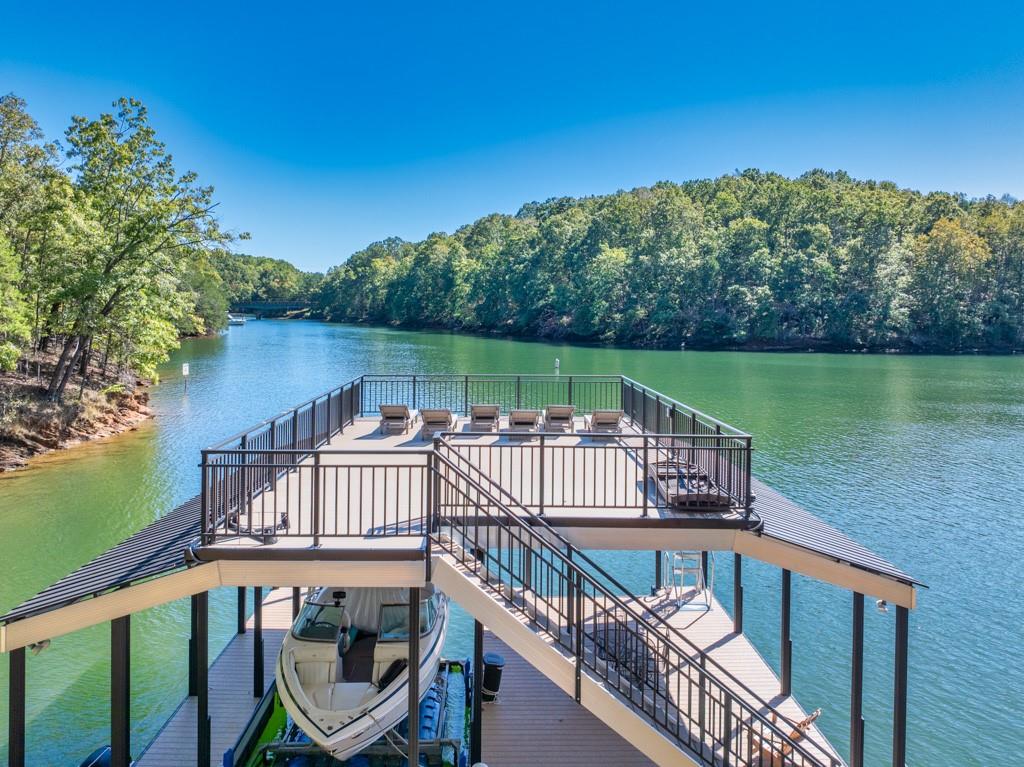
(236, 319)
(343, 669)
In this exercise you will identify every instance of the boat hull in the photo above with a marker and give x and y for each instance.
(344, 733)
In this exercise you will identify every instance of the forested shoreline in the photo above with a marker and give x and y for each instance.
(753, 260)
(108, 256)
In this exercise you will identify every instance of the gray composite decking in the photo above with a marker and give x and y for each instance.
(534, 723)
(231, 701)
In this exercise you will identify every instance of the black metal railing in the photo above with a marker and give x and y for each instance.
(666, 683)
(329, 493)
(682, 459)
(240, 468)
(457, 392)
(646, 473)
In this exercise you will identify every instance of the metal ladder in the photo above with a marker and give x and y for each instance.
(682, 564)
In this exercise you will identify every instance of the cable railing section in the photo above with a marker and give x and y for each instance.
(605, 635)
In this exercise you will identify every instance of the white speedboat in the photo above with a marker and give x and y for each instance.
(343, 670)
(236, 319)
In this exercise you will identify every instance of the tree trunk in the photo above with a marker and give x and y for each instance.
(83, 368)
(69, 370)
(54, 388)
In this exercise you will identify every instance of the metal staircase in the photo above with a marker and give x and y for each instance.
(574, 622)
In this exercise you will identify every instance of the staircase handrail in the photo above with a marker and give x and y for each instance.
(619, 604)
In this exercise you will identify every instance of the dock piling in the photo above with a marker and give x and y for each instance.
(16, 717)
(414, 676)
(120, 691)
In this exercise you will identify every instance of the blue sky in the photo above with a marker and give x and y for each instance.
(326, 129)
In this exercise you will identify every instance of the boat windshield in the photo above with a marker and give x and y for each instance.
(318, 622)
(394, 621)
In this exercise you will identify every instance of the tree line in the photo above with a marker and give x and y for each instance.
(750, 260)
(108, 254)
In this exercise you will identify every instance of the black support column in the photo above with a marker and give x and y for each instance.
(194, 617)
(899, 701)
(857, 684)
(257, 642)
(202, 642)
(737, 593)
(16, 713)
(476, 745)
(296, 602)
(120, 692)
(786, 644)
(414, 676)
(658, 577)
(241, 610)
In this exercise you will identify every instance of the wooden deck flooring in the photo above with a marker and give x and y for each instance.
(231, 699)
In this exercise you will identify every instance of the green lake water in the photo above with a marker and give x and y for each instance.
(920, 458)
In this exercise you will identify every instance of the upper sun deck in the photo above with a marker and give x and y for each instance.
(322, 480)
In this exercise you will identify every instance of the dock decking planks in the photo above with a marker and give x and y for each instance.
(231, 698)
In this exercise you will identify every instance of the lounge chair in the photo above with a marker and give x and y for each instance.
(484, 417)
(559, 418)
(396, 419)
(524, 420)
(604, 421)
(435, 420)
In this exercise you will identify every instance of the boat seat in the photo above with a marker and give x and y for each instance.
(314, 672)
(340, 696)
(386, 653)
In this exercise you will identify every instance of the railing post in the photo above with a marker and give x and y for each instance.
(317, 522)
(465, 396)
(750, 460)
(204, 498)
(578, 578)
(727, 732)
(330, 428)
(519, 392)
(647, 476)
(541, 483)
(295, 432)
(570, 391)
(414, 392)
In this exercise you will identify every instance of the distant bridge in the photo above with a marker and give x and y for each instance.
(268, 307)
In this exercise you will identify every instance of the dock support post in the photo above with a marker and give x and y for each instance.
(241, 610)
(737, 593)
(658, 579)
(704, 567)
(296, 602)
(786, 648)
(857, 684)
(414, 676)
(120, 691)
(899, 702)
(16, 717)
(202, 680)
(192, 673)
(257, 642)
(476, 746)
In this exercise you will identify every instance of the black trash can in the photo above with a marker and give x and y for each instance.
(493, 666)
